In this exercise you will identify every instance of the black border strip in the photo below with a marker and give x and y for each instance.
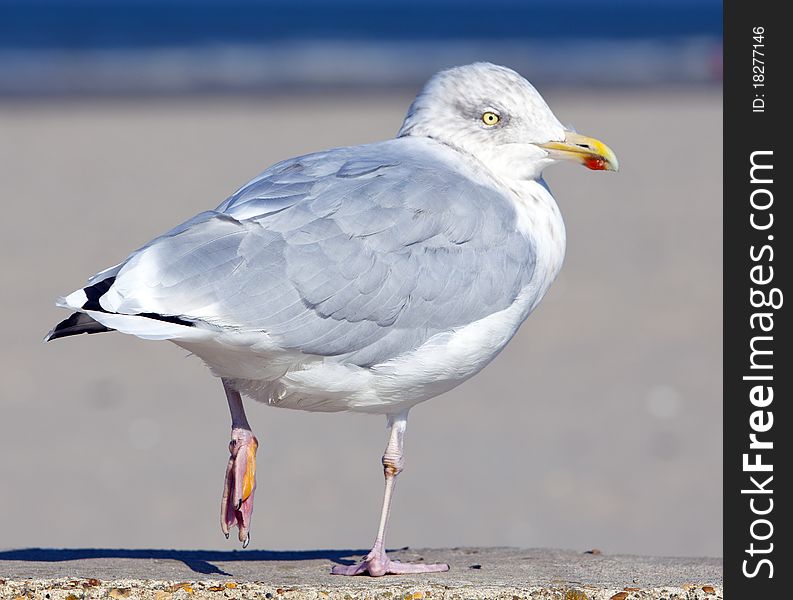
(757, 266)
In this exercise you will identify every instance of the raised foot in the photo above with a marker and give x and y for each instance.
(378, 564)
(237, 504)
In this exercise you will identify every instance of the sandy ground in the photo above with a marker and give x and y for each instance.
(475, 573)
(599, 426)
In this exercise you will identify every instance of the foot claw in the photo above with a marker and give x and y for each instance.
(377, 564)
(237, 504)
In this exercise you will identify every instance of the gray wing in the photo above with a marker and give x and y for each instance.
(360, 253)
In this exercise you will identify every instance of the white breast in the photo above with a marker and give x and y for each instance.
(539, 218)
(448, 359)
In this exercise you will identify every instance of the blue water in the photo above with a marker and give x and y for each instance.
(122, 47)
(95, 24)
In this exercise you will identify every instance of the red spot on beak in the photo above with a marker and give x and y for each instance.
(595, 163)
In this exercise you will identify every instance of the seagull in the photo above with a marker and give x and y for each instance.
(367, 278)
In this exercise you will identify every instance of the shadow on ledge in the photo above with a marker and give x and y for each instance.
(200, 561)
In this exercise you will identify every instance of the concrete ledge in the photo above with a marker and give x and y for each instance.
(476, 573)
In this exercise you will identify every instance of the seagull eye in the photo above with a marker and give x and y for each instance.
(490, 118)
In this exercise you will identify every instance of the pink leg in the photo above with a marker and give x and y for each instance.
(237, 504)
(377, 562)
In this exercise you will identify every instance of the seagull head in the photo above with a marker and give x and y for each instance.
(494, 114)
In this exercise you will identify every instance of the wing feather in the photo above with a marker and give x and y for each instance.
(361, 254)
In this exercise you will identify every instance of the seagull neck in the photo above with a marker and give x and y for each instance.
(478, 165)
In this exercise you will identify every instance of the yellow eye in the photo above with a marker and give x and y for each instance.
(490, 118)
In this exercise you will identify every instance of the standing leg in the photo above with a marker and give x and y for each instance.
(237, 504)
(377, 562)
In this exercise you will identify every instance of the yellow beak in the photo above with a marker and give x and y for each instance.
(588, 151)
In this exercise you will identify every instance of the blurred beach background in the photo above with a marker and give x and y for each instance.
(598, 427)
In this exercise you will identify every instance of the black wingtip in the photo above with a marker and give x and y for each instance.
(94, 292)
(76, 324)
(80, 322)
